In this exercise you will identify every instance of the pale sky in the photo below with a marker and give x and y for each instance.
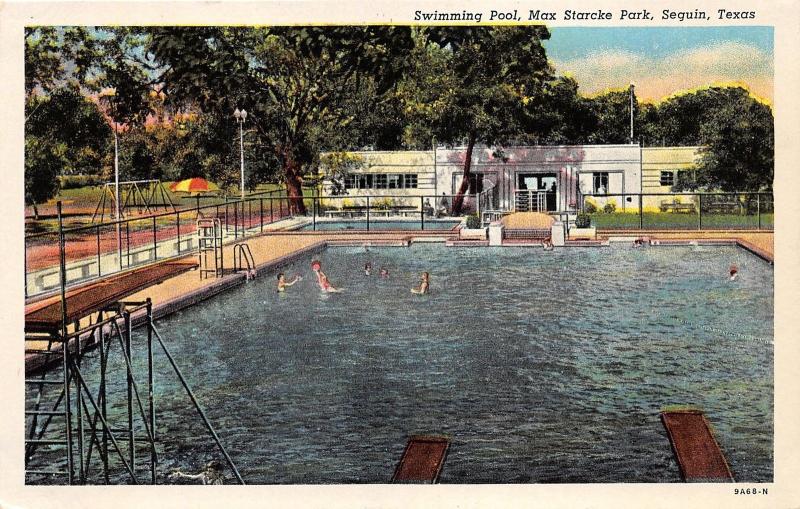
(661, 61)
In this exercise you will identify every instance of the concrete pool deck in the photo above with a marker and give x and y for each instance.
(271, 250)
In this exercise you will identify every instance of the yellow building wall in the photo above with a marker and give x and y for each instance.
(658, 159)
(419, 162)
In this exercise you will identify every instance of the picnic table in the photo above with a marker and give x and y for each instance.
(722, 207)
(674, 206)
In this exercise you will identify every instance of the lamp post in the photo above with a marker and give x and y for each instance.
(631, 93)
(241, 116)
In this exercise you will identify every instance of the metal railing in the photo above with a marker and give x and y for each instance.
(95, 250)
(681, 211)
(100, 249)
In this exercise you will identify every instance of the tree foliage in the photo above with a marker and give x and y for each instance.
(487, 78)
(294, 82)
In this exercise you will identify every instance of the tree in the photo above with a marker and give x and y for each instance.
(612, 116)
(292, 81)
(65, 134)
(492, 74)
(43, 162)
(739, 140)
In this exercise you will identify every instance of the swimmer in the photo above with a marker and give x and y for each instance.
(384, 272)
(212, 474)
(638, 242)
(547, 245)
(733, 272)
(424, 285)
(282, 283)
(324, 284)
(367, 269)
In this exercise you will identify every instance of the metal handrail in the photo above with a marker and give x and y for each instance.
(242, 251)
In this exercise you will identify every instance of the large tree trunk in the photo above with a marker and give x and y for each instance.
(294, 187)
(458, 201)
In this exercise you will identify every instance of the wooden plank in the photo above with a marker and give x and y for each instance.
(698, 454)
(422, 460)
(92, 297)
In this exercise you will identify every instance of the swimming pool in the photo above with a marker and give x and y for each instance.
(430, 224)
(541, 366)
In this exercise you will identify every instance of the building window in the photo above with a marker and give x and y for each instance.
(381, 181)
(667, 178)
(600, 182)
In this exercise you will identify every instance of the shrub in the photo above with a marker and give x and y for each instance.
(473, 221)
(590, 206)
(610, 207)
(383, 203)
(583, 221)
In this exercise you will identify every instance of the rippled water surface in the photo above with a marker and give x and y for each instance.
(541, 367)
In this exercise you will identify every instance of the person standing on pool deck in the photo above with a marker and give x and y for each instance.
(282, 283)
(424, 285)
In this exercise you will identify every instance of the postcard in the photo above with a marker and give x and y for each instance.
(320, 254)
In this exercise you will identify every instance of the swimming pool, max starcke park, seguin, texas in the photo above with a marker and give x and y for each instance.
(540, 366)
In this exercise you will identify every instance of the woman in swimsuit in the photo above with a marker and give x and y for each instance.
(324, 284)
(424, 285)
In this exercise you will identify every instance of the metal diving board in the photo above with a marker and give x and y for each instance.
(698, 454)
(422, 460)
(92, 297)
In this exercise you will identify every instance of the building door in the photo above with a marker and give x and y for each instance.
(537, 192)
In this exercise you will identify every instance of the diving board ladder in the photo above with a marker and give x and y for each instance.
(698, 454)
(209, 247)
(422, 460)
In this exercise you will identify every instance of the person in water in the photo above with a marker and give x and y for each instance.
(384, 272)
(283, 284)
(211, 474)
(367, 269)
(324, 284)
(547, 245)
(424, 285)
(733, 272)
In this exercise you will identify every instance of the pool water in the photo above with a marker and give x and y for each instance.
(430, 224)
(541, 367)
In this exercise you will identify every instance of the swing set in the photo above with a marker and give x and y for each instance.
(143, 196)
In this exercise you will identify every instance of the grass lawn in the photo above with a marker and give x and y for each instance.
(668, 220)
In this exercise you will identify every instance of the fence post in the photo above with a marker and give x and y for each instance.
(758, 209)
(128, 241)
(99, 267)
(313, 213)
(235, 220)
(422, 212)
(178, 221)
(641, 213)
(367, 213)
(700, 211)
(155, 240)
(261, 213)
